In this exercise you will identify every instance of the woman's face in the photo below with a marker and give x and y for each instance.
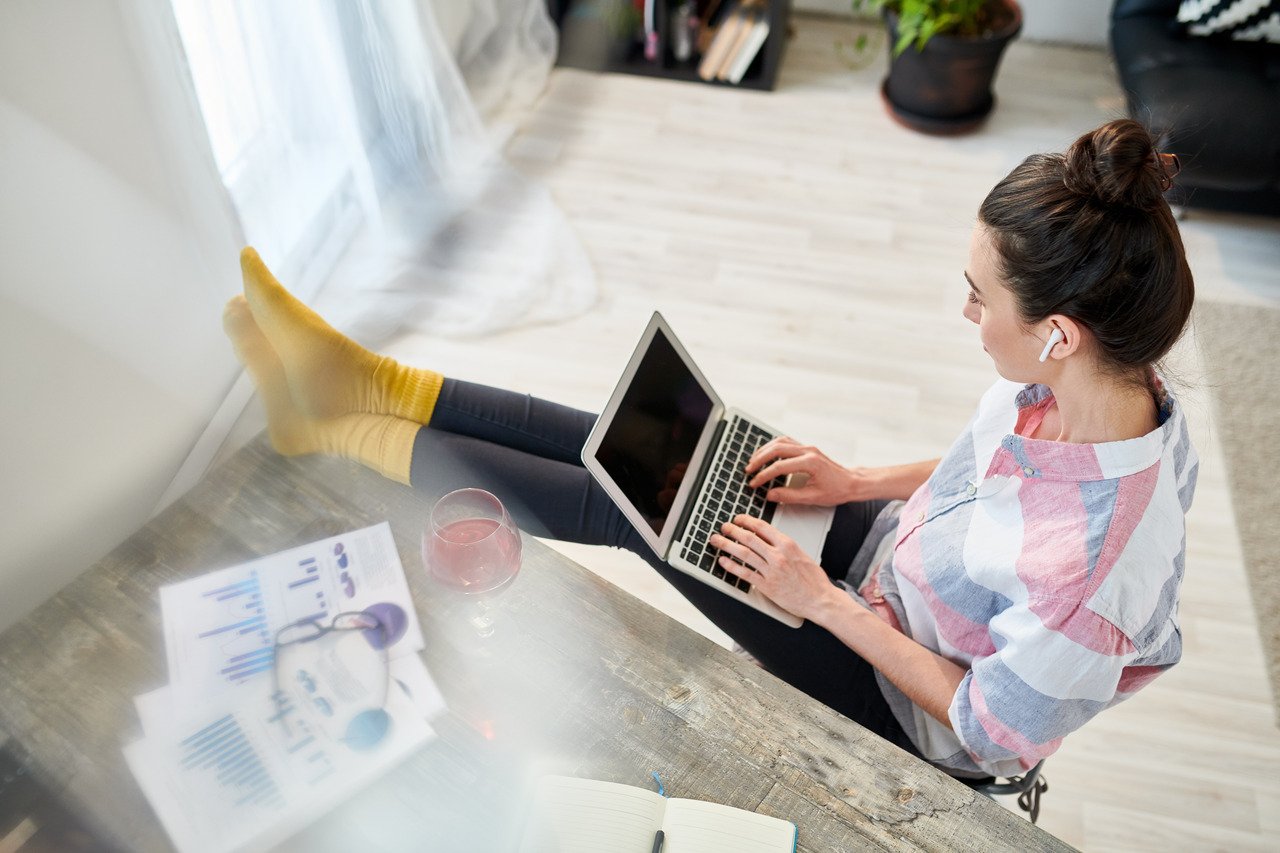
(1013, 348)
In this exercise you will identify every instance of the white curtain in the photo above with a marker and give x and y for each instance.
(356, 153)
(507, 50)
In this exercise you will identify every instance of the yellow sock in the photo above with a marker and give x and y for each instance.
(381, 442)
(328, 373)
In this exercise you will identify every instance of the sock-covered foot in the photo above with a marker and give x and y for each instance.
(381, 442)
(328, 373)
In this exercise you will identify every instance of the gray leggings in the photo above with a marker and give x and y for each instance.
(527, 452)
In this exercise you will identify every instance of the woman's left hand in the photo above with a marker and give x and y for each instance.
(775, 565)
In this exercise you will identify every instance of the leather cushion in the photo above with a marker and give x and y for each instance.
(1216, 103)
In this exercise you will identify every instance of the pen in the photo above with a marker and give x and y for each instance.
(657, 841)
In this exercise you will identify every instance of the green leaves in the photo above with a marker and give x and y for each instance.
(921, 20)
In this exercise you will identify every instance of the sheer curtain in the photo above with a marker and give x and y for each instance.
(356, 154)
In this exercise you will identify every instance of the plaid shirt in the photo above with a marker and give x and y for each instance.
(1050, 571)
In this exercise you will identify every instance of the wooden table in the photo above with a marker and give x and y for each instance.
(585, 680)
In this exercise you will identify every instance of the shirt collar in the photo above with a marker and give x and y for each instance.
(1060, 460)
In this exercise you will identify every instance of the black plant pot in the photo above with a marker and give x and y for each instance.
(946, 88)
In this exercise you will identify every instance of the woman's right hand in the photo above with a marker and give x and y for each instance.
(826, 483)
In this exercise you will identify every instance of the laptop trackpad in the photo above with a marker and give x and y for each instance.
(808, 525)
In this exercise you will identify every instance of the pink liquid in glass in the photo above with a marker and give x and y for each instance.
(474, 554)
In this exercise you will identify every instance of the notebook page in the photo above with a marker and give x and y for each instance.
(694, 826)
(585, 816)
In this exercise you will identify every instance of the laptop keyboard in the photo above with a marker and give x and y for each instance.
(727, 497)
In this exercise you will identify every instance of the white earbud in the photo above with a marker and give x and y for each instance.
(1054, 338)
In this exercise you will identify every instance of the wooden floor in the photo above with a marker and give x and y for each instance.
(829, 245)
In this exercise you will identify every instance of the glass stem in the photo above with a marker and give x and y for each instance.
(482, 618)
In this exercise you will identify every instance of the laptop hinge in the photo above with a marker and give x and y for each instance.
(702, 473)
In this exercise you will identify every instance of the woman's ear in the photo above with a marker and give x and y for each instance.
(1067, 336)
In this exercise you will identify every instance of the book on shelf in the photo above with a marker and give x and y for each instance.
(726, 35)
(749, 45)
(740, 36)
(742, 31)
(579, 815)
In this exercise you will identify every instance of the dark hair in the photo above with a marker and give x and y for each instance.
(1088, 234)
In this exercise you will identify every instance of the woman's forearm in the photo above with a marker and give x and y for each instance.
(928, 679)
(892, 482)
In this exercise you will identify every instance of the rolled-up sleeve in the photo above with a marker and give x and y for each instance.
(1056, 665)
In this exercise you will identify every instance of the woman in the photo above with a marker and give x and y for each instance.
(973, 609)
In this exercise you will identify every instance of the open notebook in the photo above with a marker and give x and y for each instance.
(584, 816)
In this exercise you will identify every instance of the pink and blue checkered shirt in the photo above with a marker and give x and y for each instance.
(1050, 571)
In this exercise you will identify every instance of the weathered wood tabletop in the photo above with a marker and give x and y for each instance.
(584, 680)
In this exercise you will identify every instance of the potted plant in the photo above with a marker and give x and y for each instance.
(943, 59)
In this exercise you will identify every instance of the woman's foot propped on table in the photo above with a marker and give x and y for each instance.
(381, 442)
(329, 374)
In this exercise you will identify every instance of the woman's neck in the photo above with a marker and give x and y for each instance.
(1094, 411)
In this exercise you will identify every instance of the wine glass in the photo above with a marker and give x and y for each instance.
(471, 545)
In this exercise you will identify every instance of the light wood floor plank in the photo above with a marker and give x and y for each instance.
(1112, 829)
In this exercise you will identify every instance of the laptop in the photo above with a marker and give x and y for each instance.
(672, 457)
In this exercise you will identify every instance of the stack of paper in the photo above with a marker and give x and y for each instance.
(233, 760)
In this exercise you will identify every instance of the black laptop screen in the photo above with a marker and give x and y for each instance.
(647, 447)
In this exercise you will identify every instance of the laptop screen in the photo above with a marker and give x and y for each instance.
(648, 445)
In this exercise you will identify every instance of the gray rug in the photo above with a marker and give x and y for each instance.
(1241, 350)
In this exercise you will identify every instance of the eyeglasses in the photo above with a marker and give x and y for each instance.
(334, 676)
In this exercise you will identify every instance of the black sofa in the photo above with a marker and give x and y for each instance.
(1212, 101)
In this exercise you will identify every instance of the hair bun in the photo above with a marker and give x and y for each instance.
(1116, 165)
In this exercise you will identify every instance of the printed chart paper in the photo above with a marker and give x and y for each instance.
(240, 751)
(246, 776)
(220, 628)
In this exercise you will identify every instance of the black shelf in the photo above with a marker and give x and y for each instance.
(587, 42)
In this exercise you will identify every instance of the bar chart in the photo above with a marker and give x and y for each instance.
(238, 622)
(305, 598)
(242, 632)
(222, 754)
(308, 756)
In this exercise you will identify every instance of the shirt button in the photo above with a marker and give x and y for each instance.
(921, 517)
(1029, 471)
(972, 489)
